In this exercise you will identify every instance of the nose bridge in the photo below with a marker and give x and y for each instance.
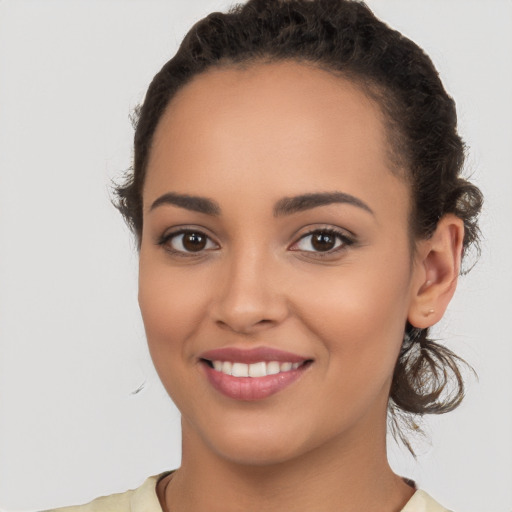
(249, 295)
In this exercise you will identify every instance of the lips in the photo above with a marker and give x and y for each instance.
(254, 355)
(252, 374)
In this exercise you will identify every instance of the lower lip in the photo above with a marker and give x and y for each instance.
(252, 388)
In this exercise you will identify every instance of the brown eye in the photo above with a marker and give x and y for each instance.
(188, 242)
(194, 241)
(322, 240)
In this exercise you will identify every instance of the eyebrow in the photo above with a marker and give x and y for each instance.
(289, 205)
(283, 207)
(193, 203)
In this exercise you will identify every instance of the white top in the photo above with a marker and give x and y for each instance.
(145, 499)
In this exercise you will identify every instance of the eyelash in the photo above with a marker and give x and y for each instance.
(345, 240)
(165, 240)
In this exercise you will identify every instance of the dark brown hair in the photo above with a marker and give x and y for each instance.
(345, 38)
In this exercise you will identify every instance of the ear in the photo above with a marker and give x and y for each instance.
(436, 270)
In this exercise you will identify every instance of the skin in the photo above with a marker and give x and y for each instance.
(246, 139)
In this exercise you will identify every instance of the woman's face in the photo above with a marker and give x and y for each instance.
(275, 242)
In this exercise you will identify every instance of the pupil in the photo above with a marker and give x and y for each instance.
(194, 241)
(323, 242)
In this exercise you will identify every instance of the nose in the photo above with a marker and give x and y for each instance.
(250, 296)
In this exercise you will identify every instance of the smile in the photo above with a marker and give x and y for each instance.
(260, 369)
(252, 374)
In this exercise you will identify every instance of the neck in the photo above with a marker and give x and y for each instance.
(345, 475)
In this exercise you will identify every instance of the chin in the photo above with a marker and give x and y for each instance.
(258, 453)
(264, 442)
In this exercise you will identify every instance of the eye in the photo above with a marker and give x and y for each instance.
(187, 241)
(322, 241)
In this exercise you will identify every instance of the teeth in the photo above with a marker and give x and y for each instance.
(273, 368)
(240, 370)
(226, 367)
(286, 367)
(260, 369)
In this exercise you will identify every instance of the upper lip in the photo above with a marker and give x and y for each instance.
(253, 355)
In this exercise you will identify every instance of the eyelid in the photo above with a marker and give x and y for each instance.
(347, 239)
(171, 233)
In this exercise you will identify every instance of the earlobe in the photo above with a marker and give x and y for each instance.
(436, 270)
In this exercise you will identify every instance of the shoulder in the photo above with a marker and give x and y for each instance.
(423, 502)
(141, 499)
(145, 499)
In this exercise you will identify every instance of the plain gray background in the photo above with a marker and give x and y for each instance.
(72, 347)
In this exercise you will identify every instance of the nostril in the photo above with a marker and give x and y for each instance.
(247, 327)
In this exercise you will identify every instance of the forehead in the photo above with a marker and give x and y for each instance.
(290, 98)
(275, 126)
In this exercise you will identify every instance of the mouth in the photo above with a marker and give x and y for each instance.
(254, 370)
(252, 374)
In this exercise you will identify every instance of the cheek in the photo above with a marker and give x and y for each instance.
(360, 316)
(358, 324)
(172, 308)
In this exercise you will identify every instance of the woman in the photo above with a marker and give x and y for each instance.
(301, 218)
